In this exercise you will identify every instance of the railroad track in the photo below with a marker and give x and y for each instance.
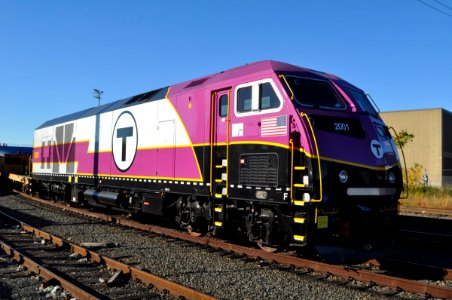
(347, 273)
(84, 273)
(426, 212)
(16, 281)
(424, 241)
(420, 228)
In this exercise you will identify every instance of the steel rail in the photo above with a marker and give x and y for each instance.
(430, 290)
(44, 272)
(380, 279)
(160, 283)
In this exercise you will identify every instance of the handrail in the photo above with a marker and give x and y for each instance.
(291, 170)
(212, 116)
(404, 163)
(228, 140)
(288, 86)
(304, 115)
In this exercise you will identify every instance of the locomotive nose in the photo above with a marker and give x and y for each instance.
(385, 143)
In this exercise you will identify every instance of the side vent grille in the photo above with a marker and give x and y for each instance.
(259, 170)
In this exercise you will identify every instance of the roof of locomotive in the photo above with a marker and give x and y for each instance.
(253, 68)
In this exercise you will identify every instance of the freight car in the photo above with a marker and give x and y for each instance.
(14, 159)
(284, 155)
(14, 162)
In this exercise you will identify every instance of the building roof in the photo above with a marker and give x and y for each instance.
(417, 110)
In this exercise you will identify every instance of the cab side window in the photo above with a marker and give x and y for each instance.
(257, 97)
(267, 97)
(244, 99)
(223, 105)
(315, 93)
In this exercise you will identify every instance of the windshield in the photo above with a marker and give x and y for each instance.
(314, 93)
(360, 99)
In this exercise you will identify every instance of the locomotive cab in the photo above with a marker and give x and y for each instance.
(358, 180)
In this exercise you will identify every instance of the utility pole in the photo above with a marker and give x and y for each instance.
(97, 94)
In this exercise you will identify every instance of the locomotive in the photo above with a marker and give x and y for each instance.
(282, 155)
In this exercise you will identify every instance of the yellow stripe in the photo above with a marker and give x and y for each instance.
(218, 209)
(358, 165)
(302, 151)
(186, 132)
(298, 202)
(251, 143)
(217, 223)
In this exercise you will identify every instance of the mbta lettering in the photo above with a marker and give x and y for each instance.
(59, 151)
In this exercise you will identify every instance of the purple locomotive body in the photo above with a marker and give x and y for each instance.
(283, 154)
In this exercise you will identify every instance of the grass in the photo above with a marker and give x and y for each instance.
(428, 197)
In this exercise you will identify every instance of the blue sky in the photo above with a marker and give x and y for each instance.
(54, 53)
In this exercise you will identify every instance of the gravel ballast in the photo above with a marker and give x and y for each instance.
(221, 276)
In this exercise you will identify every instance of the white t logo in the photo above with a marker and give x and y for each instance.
(124, 141)
(376, 148)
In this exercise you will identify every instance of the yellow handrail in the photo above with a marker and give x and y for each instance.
(212, 116)
(228, 123)
(304, 115)
(404, 163)
(288, 86)
(291, 170)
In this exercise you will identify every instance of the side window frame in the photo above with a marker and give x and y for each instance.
(221, 112)
(255, 98)
(333, 90)
(237, 106)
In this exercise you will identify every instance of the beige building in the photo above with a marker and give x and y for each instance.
(432, 143)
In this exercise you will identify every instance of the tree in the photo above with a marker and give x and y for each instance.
(402, 138)
(411, 176)
(415, 175)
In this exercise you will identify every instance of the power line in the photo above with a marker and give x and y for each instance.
(437, 9)
(442, 4)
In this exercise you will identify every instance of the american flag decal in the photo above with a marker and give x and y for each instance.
(274, 126)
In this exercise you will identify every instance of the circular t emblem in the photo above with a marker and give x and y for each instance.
(376, 148)
(124, 141)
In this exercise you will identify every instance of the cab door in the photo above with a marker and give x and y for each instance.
(219, 142)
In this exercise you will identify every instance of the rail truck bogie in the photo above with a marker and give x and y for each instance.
(285, 155)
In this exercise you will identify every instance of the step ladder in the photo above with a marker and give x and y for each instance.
(299, 179)
(300, 187)
(299, 228)
(220, 178)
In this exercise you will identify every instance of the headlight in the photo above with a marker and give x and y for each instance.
(391, 177)
(343, 176)
(261, 195)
